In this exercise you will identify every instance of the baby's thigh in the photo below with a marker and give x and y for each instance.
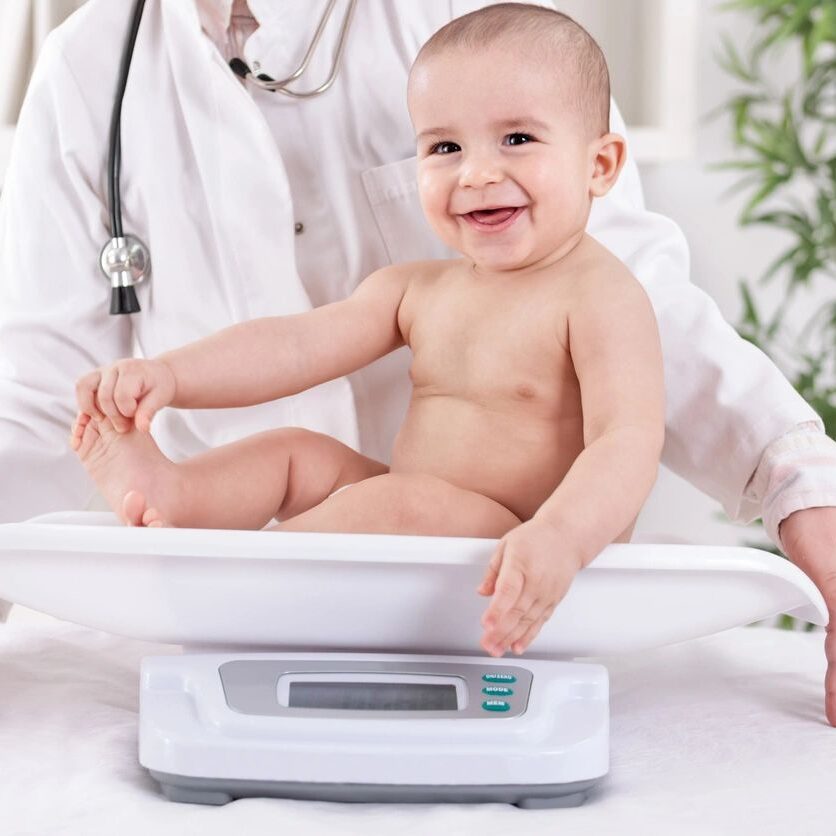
(407, 503)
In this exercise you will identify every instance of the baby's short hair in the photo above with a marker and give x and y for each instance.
(553, 34)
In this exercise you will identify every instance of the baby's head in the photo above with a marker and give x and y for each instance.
(510, 106)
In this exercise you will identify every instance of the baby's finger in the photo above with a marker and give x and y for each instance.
(531, 616)
(497, 638)
(148, 407)
(82, 419)
(488, 585)
(77, 431)
(508, 589)
(104, 392)
(530, 609)
(85, 394)
(107, 404)
(128, 388)
(522, 643)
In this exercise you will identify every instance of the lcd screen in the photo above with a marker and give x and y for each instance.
(373, 696)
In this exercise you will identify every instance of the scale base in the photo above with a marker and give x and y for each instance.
(349, 727)
(192, 790)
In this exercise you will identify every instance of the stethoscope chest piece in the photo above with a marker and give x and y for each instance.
(125, 261)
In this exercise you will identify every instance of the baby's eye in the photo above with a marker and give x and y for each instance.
(439, 145)
(524, 137)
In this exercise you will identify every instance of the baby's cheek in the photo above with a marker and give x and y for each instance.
(435, 201)
(431, 192)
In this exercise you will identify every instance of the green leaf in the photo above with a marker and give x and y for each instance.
(729, 59)
(750, 311)
(767, 188)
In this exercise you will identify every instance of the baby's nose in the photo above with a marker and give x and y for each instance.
(477, 172)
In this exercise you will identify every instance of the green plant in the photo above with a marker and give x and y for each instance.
(787, 140)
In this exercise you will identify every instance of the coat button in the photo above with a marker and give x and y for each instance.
(298, 228)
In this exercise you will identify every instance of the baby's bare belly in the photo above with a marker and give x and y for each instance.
(507, 451)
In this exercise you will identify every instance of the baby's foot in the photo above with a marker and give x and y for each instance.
(122, 462)
(135, 511)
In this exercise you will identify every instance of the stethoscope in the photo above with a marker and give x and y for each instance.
(125, 260)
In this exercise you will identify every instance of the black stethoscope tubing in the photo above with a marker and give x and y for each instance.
(114, 163)
(124, 259)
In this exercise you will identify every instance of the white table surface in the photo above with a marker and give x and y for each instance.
(722, 735)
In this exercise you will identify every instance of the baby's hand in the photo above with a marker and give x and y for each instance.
(528, 575)
(128, 392)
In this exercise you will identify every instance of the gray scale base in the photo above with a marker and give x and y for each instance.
(221, 791)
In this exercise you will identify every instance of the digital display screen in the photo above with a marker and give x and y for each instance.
(373, 696)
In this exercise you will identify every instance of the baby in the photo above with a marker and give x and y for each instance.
(537, 407)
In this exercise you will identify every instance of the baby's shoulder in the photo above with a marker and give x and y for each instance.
(602, 278)
(424, 274)
(432, 268)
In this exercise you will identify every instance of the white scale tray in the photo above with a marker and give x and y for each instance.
(373, 592)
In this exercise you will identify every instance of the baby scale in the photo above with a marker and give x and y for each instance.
(347, 667)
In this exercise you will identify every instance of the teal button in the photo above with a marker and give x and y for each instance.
(499, 677)
(496, 705)
(497, 691)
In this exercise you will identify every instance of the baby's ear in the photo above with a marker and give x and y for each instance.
(608, 155)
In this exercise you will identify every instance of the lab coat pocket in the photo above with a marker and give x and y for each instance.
(392, 191)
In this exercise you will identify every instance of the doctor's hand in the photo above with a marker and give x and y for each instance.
(809, 539)
(128, 392)
(528, 575)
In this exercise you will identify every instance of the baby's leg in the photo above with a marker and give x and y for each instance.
(274, 474)
(407, 503)
(627, 534)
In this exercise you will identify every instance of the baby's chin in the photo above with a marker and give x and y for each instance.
(525, 257)
(496, 263)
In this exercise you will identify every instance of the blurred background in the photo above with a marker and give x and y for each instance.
(702, 84)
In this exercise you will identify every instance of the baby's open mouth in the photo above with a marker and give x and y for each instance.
(494, 220)
(493, 216)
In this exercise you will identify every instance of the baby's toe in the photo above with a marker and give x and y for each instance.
(77, 431)
(88, 437)
(152, 518)
(133, 507)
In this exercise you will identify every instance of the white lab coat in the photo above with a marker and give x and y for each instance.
(205, 186)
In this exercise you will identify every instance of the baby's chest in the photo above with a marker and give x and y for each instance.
(490, 349)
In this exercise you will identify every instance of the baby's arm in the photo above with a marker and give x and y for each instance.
(614, 345)
(615, 350)
(256, 361)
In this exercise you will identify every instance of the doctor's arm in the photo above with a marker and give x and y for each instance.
(255, 361)
(735, 427)
(726, 401)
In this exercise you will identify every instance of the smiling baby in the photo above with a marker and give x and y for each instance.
(537, 407)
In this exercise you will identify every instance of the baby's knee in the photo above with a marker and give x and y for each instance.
(291, 435)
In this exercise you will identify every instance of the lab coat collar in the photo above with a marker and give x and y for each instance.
(215, 16)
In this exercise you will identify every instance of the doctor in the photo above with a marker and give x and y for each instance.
(255, 203)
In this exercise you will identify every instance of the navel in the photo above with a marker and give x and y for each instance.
(524, 391)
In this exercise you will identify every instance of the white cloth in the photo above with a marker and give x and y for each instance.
(796, 472)
(24, 25)
(723, 735)
(214, 179)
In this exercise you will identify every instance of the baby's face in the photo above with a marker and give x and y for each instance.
(494, 132)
